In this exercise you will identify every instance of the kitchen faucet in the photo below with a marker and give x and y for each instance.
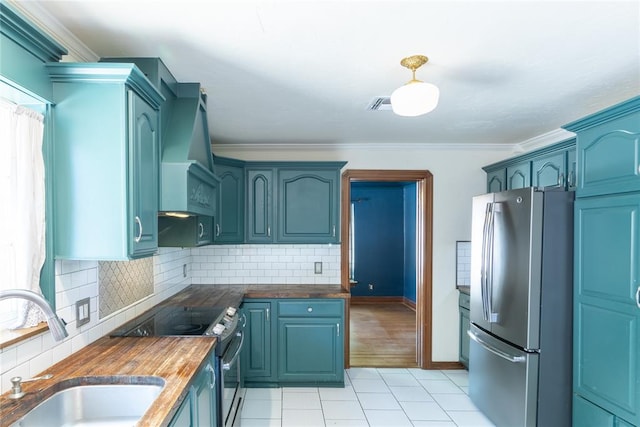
(56, 326)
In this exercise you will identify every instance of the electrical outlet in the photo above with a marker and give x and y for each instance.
(83, 312)
(184, 270)
(317, 267)
(370, 286)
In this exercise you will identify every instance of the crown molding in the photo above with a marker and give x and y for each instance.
(78, 51)
(369, 146)
(543, 140)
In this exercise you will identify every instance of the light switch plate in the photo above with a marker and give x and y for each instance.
(83, 312)
(317, 267)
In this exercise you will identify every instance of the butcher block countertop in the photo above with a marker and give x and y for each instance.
(122, 360)
(146, 359)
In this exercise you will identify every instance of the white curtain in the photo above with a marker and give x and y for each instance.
(22, 206)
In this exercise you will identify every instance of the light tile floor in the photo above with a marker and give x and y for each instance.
(375, 397)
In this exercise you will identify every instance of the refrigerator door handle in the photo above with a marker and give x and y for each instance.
(510, 357)
(491, 316)
(484, 266)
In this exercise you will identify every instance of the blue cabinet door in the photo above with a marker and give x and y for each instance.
(310, 341)
(260, 227)
(549, 171)
(310, 350)
(229, 227)
(608, 147)
(143, 169)
(204, 398)
(308, 206)
(497, 181)
(519, 176)
(607, 310)
(257, 353)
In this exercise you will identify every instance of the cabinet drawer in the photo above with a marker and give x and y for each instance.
(463, 300)
(310, 308)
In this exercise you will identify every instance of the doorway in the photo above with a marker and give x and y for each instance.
(424, 244)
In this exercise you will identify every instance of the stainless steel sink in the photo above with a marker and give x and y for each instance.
(104, 405)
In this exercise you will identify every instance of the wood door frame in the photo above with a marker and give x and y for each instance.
(424, 251)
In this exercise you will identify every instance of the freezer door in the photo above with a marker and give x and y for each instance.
(503, 380)
(514, 287)
(480, 245)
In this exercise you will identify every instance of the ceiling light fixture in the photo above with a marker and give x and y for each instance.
(416, 97)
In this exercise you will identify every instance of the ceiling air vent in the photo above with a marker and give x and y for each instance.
(380, 103)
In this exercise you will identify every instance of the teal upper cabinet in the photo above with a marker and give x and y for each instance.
(308, 204)
(550, 170)
(259, 208)
(519, 176)
(293, 202)
(543, 168)
(106, 155)
(497, 180)
(609, 149)
(229, 227)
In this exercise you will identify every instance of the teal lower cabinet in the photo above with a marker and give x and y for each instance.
(258, 358)
(294, 342)
(199, 406)
(311, 342)
(463, 303)
(607, 307)
(183, 416)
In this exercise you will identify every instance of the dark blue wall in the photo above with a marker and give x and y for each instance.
(381, 239)
(410, 209)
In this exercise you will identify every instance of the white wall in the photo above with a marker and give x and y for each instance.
(457, 178)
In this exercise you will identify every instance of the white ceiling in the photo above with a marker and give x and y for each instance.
(291, 72)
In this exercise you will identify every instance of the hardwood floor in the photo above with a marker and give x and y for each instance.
(382, 335)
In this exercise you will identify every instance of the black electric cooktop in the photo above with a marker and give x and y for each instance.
(171, 321)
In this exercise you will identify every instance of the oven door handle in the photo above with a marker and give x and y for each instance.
(227, 365)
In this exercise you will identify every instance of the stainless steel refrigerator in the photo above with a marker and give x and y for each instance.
(521, 307)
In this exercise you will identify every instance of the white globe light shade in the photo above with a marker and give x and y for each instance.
(414, 99)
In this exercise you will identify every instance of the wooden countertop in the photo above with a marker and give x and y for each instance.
(116, 360)
(175, 359)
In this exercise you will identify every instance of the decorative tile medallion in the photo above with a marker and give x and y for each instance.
(122, 283)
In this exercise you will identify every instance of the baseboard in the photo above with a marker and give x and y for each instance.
(375, 300)
(445, 365)
(411, 304)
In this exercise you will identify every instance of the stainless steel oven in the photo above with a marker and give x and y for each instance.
(230, 384)
(225, 323)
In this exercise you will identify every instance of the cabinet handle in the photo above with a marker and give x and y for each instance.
(267, 314)
(310, 309)
(139, 236)
(338, 326)
(571, 180)
(638, 168)
(561, 180)
(244, 320)
(334, 231)
(200, 229)
(638, 297)
(268, 231)
(212, 376)
(217, 230)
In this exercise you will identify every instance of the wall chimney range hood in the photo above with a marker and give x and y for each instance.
(188, 184)
(187, 179)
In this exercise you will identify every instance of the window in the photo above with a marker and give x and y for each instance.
(24, 244)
